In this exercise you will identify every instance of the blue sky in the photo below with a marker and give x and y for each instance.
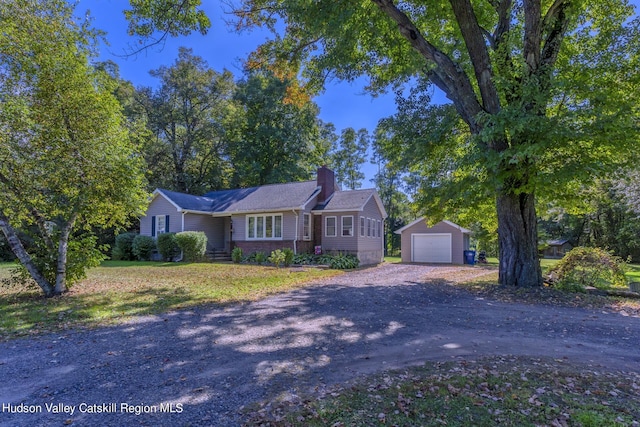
(343, 104)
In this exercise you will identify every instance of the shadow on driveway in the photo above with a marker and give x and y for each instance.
(205, 364)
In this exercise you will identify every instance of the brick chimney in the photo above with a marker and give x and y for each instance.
(327, 183)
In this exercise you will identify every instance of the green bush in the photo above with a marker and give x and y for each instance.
(304, 259)
(288, 256)
(168, 246)
(260, 257)
(193, 245)
(123, 247)
(583, 267)
(143, 246)
(236, 255)
(343, 261)
(276, 257)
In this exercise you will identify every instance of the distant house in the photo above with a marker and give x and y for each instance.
(445, 242)
(302, 216)
(557, 248)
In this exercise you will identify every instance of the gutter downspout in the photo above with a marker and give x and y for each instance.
(295, 239)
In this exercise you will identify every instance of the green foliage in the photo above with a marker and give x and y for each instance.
(193, 245)
(260, 257)
(593, 267)
(68, 164)
(82, 254)
(123, 248)
(288, 256)
(166, 17)
(277, 139)
(168, 246)
(349, 156)
(343, 261)
(304, 259)
(276, 257)
(143, 247)
(236, 255)
(338, 261)
(190, 118)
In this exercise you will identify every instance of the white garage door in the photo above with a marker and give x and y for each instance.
(431, 247)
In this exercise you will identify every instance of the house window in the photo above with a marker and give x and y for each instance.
(368, 227)
(362, 226)
(379, 228)
(330, 226)
(306, 226)
(347, 226)
(264, 227)
(161, 224)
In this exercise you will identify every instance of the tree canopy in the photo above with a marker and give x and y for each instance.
(66, 161)
(547, 90)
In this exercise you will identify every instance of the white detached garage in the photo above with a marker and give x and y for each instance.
(445, 242)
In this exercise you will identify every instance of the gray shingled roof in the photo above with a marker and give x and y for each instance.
(188, 201)
(351, 200)
(267, 197)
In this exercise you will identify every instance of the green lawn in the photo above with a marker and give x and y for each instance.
(117, 291)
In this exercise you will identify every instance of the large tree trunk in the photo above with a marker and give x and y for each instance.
(23, 256)
(518, 240)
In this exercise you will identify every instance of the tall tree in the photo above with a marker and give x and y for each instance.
(188, 116)
(547, 89)
(348, 157)
(66, 161)
(279, 139)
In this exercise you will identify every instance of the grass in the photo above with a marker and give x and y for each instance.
(506, 391)
(117, 291)
(633, 273)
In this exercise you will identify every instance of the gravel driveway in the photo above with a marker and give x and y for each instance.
(198, 367)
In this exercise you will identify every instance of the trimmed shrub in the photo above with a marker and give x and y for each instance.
(123, 247)
(583, 267)
(236, 255)
(143, 246)
(276, 258)
(288, 256)
(168, 246)
(193, 245)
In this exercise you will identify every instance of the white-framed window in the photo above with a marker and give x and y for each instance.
(330, 226)
(368, 227)
(161, 224)
(362, 226)
(347, 226)
(379, 228)
(306, 226)
(264, 227)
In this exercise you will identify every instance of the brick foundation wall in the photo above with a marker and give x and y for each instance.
(266, 247)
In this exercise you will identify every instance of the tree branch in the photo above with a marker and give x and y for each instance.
(555, 26)
(41, 222)
(532, 34)
(503, 8)
(447, 75)
(474, 40)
